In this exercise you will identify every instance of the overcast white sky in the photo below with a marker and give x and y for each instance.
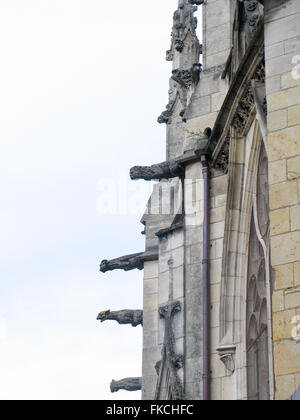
(81, 85)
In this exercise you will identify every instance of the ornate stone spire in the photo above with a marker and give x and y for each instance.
(185, 47)
(184, 53)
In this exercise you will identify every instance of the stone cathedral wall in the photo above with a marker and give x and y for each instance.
(282, 49)
(228, 96)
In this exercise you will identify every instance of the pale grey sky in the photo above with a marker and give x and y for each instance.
(81, 85)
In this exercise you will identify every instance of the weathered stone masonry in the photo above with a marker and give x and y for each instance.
(234, 102)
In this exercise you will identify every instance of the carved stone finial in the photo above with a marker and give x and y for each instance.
(164, 170)
(126, 316)
(127, 384)
(127, 263)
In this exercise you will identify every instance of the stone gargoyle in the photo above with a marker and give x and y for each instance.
(127, 384)
(126, 316)
(164, 170)
(127, 263)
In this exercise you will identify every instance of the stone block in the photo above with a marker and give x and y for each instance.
(150, 302)
(217, 39)
(150, 269)
(284, 276)
(217, 214)
(285, 248)
(297, 274)
(178, 283)
(227, 388)
(200, 123)
(217, 230)
(216, 13)
(292, 298)
(277, 171)
(288, 80)
(292, 45)
(294, 115)
(282, 326)
(279, 27)
(287, 356)
(279, 65)
(283, 99)
(215, 271)
(293, 168)
(217, 59)
(150, 321)
(277, 120)
(199, 106)
(283, 194)
(274, 50)
(295, 218)
(278, 301)
(273, 84)
(217, 100)
(150, 286)
(220, 200)
(216, 389)
(285, 387)
(219, 185)
(280, 221)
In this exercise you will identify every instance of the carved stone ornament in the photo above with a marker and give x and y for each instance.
(127, 263)
(182, 80)
(126, 316)
(185, 78)
(127, 384)
(172, 361)
(254, 13)
(227, 354)
(222, 161)
(164, 170)
(247, 104)
(183, 22)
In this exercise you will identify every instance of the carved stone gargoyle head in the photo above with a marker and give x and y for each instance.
(104, 266)
(114, 386)
(103, 316)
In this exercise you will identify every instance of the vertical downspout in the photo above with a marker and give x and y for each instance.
(206, 281)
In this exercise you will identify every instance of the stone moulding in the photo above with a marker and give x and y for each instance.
(129, 262)
(236, 108)
(127, 384)
(126, 316)
(227, 354)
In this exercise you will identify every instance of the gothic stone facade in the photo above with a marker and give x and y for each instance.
(221, 308)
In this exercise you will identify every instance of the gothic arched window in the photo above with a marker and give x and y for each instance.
(257, 295)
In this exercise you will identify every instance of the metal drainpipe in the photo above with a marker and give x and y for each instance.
(206, 281)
